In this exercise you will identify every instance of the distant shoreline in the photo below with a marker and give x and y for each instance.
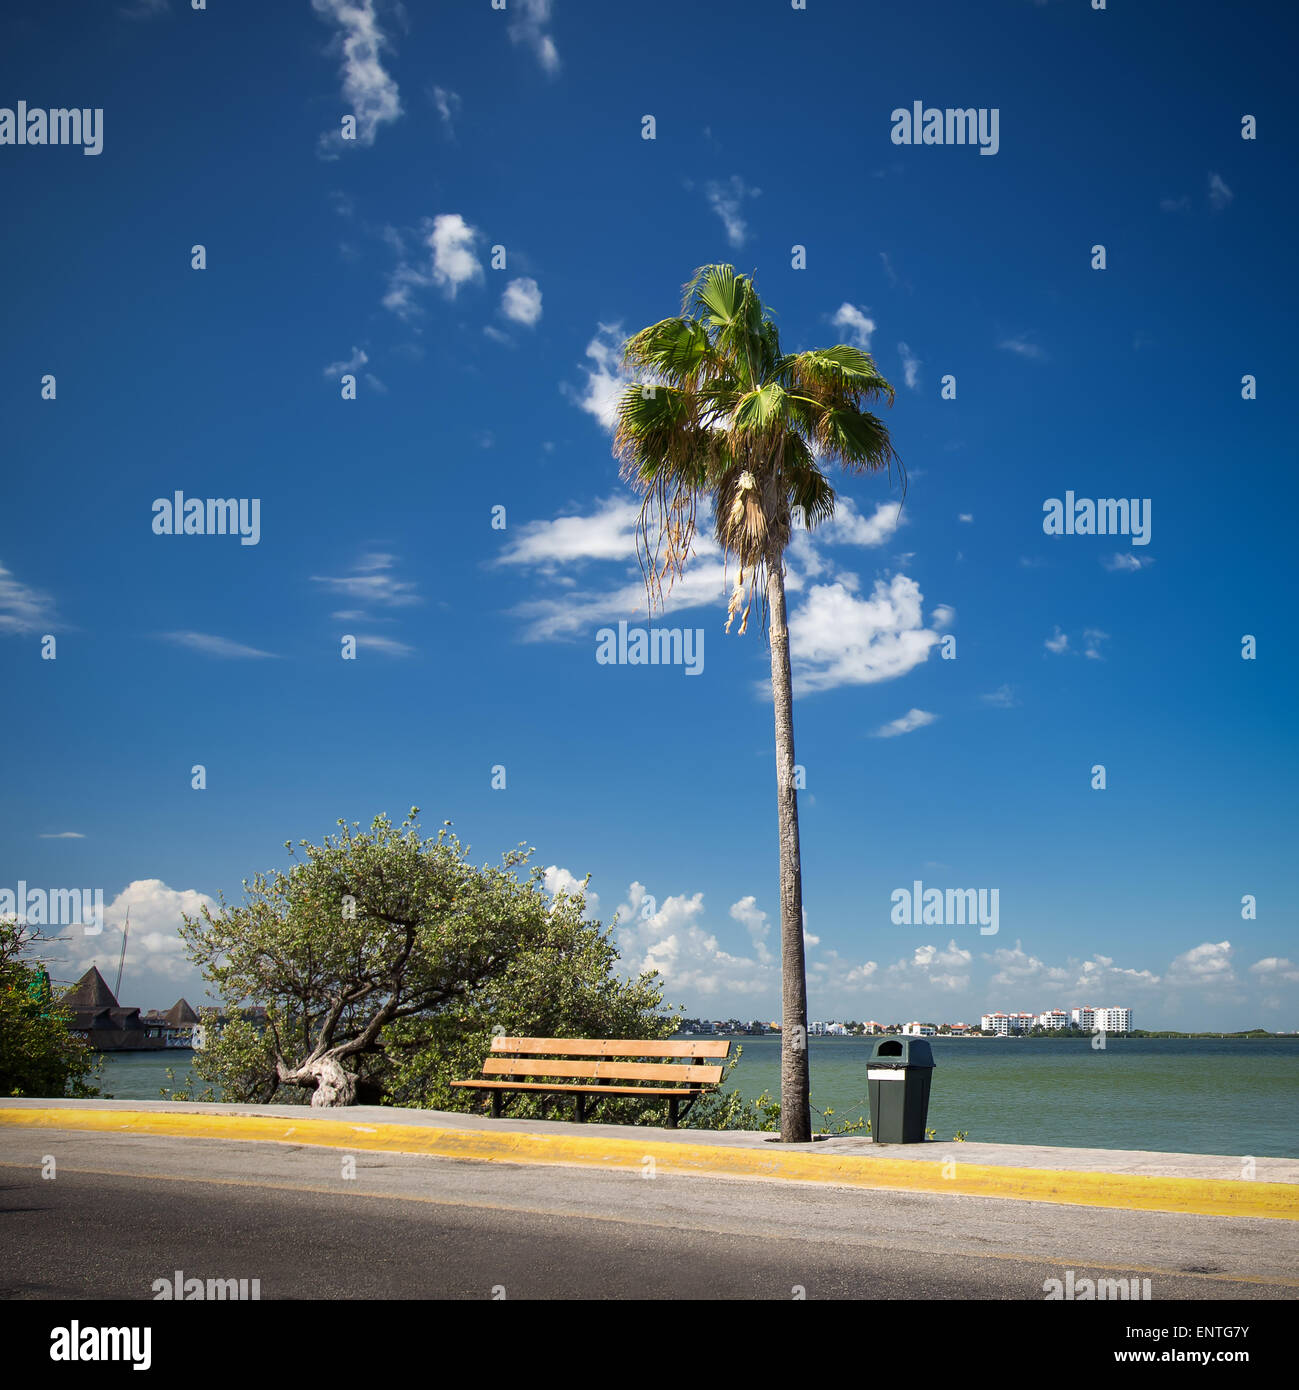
(1055, 1036)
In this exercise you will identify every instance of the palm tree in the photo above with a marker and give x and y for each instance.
(721, 421)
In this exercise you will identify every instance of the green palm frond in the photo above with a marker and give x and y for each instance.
(809, 489)
(676, 349)
(721, 416)
(841, 370)
(759, 410)
(854, 438)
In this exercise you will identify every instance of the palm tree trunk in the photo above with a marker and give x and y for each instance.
(795, 1083)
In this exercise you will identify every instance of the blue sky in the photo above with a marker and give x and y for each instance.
(480, 387)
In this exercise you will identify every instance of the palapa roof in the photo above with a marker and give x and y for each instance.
(180, 1013)
(90, 992)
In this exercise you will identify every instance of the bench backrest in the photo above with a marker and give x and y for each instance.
(607, 1059)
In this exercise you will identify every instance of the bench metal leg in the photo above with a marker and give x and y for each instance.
(672, 1112)
(579, 1109)
(497, 1105)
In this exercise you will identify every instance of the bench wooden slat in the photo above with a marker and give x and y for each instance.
(617, 1071)
(594, 1063)
(683, 1091)
(612, 1047)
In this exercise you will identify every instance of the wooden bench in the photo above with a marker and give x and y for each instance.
(591, 1067)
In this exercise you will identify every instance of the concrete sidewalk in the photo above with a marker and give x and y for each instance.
(1133, 1179)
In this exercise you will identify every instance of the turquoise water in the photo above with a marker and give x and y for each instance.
(1170, 1094)
(1176, 1095)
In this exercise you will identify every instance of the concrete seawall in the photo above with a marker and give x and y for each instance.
(1196, 1184)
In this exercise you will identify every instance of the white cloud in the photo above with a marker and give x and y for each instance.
(931, 967)
(1058, 643)
(1175, 204)
(448, 106)
(521, 302)
(830, 977)
(155, 954)
(965, 516)
(608, 533)
(454, 261)
(63, 835)
(1092, 639)
(580, 612)
(1001, 698)
(370, 93)
(605, 379)
(214, 646)
(1017, 970)
(530, 29)
(838, 639)
(555, 548)
(404, 280)
(904, 724)
(1207, 966)
(752, 918)
(388, 646)
(1023, 348)
(354, 363)
(1219, 194)
(1098, 979)
(846, 527)
(371, 582)
(858, 323)
(23, 609)
(910, 366)
(556, 880)
(1123, 561)
(727, 201)
(673, 940)
(1274, 969)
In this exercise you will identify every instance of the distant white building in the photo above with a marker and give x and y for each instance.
(919, 1030)
(1005, 1024)
(871, 1027)
(816, 1029)
(1083, 1017)
(1111, 1020)
(1053, 1018)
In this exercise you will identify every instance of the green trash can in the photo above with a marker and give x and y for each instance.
(898, 1075)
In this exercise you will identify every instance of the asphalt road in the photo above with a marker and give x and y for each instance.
(123, 1211)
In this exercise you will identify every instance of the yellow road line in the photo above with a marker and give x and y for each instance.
(1080, 1264)
(1193, 1196)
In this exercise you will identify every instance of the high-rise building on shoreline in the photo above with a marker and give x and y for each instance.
(1086, 1017)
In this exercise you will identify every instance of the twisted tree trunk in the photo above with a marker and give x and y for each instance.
(334, 1085)
(795, 1081)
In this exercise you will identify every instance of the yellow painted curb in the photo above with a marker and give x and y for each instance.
(1194, 1196)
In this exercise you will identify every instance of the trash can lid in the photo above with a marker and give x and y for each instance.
(903, 1052)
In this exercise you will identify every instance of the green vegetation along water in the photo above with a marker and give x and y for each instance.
(1176, 1095)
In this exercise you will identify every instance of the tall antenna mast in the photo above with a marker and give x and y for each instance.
(121, 960)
